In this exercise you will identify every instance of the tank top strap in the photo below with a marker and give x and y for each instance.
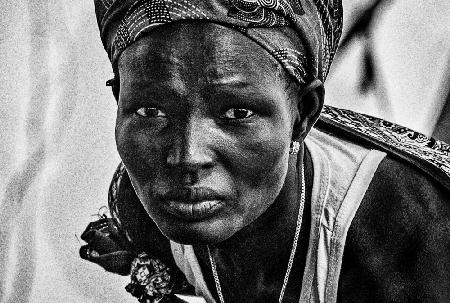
(342, 173)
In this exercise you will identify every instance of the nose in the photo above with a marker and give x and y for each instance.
(191, 147)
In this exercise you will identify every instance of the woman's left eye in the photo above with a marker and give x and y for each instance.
(238, 113)
(150, 112)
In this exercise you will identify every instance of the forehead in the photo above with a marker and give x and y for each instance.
(199, 52)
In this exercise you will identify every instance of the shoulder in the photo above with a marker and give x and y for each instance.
(404, 196)
(398, 243)
(399, 186)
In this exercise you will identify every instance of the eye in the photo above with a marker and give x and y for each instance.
(238, 113)
(150, 112)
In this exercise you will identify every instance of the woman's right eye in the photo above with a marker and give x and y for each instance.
(150, 112)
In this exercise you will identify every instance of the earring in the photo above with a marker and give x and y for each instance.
(295, 148)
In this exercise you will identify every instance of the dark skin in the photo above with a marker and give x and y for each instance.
(202, 106)
(397, 248)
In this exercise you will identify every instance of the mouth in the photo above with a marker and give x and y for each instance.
(192, 203)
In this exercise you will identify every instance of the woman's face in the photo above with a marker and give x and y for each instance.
(203, 127)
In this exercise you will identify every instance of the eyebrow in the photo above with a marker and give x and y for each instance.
(233, 80)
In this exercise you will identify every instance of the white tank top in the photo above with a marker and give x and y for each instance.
(342, 174)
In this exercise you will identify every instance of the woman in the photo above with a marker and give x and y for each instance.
(216, 104)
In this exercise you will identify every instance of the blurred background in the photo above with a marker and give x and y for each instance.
(57, 124)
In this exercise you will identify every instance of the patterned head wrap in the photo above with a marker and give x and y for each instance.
(302, 35)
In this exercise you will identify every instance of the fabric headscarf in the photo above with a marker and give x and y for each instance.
(302, 35)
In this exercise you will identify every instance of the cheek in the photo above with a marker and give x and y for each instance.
(138, 149)
(262, 151)
(260, 157)
(259, 166)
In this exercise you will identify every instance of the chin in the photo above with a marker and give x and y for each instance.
(196, 233)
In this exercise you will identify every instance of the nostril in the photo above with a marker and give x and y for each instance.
(208, 165)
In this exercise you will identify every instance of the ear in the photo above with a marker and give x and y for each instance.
(115, 86)
(309, 105)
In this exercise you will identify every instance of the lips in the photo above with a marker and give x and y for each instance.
(192, 203)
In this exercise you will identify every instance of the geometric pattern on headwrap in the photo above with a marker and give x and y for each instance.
(294, 61)
(331, 15)
(268, 13)
(306, 55)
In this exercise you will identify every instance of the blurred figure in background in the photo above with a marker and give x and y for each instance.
(394, 61)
